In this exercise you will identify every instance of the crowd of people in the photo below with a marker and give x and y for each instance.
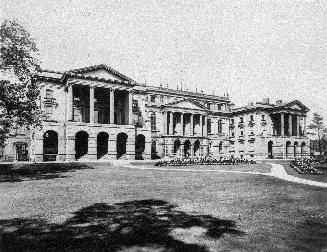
(305, 166)
(204, 161)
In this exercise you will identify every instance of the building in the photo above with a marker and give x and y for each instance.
(97, 113)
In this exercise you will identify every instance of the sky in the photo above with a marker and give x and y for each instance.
(249, 49)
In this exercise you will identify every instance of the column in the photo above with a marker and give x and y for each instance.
(70, 103)
(182, 124)
(297, 125)
(171, 123)
(91, 104)
(201, 128)
(112, 106)
(282, 126)
(304, 125)
(167, 124)
(130, 107)
(191, 125)
(205, 127)
(290, 129)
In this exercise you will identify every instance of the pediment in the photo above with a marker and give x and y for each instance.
(101, 72)
(187, 104)
(296, 105)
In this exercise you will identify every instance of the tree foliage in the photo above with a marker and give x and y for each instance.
(19, 93)
(318, 129)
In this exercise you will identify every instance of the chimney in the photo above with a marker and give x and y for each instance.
(250, 104)
(279, 101)
(265, 101)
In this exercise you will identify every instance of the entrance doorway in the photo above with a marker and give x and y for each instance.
(102, 144)
(270, 149)
(121, 145)
(50, 145)
(187, 148)
(81, 144)
(139, 147)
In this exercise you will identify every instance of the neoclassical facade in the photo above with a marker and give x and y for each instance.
(97, 113)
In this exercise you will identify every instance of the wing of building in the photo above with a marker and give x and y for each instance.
(97, 113)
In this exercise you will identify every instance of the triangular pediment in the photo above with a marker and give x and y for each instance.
(296, 105)
(101, 72)
(186, 104)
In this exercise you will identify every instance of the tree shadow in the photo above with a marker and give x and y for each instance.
(23, 172)
(133, 225)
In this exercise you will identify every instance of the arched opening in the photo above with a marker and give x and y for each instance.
(270, 149)
(187, 148)
(121, 145)
(139, 147)
(303, 146)
(102, 144)
(50, 145)
(287, 149)
(177, 146)
(81, 144)
(296, 144)
(196, 149)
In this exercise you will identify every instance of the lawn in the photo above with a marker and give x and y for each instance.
(123, 209)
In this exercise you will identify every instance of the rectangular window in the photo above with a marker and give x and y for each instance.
(49, 111)
(153, 98)
(233, 134)
(49, 94)
(241, 119)
(251, 117)
(263, 117)
(232, 121)
(220, 127)
(153, 122)
(241, 133)
(209, 126)
(219, 107)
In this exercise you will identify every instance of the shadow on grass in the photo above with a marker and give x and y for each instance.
(23, 172)
(132, 225)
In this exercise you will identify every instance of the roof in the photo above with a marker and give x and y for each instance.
(185, 100)
(270, 107)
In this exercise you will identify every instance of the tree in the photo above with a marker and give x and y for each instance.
(18, 90)
(318, 129)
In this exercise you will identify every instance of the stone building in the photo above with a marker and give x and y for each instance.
(97, 113)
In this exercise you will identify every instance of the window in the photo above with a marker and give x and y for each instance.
(49, 111)
(220, 127)
(232, 121)
(233, 134)
(251, 117)
(263, 117)
(242, 133)
(49, 94)
(208, 105)
(241, 119)
(209, 126)
(153, 122)
(135, 103)
(153, 98)
(219, 107)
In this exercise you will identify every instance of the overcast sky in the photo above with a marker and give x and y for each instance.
(252, 49)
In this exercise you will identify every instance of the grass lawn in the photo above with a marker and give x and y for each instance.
(122, 209)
